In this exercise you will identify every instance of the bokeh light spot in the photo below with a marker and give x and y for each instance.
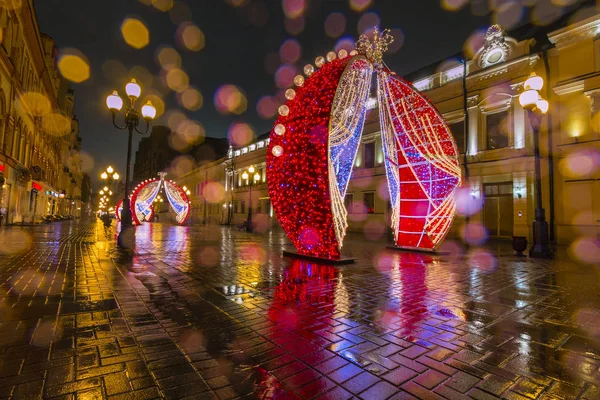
(168, 58)
(14, 241)
(135, 33)
(162, 5)
(73, 66)
(214, 192)
(466, 204)
(474, 233)
(360, 5)
(580, 164)
(367, 22)
(293, 8)
(180, 13)
(290, 51)
(230, 99)
(284, 77)
(483, 260)
(192, 99)
(453, 5)
(586, 249)
(56, 124)
(266, 107)
(177, 80)
(240, 134)
(37, 103)
(509, 14)
(335, 25)
(191, 36)
(294, 26)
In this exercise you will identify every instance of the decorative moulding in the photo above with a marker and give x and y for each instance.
(570, 87)
(585, 29)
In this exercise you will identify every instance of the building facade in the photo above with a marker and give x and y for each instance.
(157, 153)
(493, 133)
(40, 167)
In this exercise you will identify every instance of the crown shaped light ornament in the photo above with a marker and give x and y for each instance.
(374, 49)
(314, 144)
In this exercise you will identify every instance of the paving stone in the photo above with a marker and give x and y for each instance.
(381, 390)
(430, 379)
(126, 325)
(462, 382)
(344, 373)
(399, 375)
(360, 382)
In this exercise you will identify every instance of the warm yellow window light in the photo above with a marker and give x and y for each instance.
(133, 90)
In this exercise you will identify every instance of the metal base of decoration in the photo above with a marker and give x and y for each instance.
(416, 250)
(341, 261)
(541, 245)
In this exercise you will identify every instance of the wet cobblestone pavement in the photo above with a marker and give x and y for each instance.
(210, 312)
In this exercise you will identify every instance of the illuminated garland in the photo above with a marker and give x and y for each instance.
(144, 194)
(315, 139)
(148, 214)
(421, 164)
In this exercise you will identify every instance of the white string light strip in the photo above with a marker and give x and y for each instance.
(345, 130)
(391, 157)
(179, 204)
(426, 141)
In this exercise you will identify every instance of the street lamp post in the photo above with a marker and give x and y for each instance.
(536, 106)
(254, 179)
(132, 119)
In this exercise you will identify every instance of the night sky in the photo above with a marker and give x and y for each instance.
(238, 41)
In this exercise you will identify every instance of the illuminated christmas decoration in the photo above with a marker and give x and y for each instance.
(316, 137)
(148, 214)
(145, 193)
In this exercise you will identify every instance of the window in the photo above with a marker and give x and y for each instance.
(243, 210)
(349, 202)
(458, 131)
(369, 155)
(235, 207)
(497, 126)
(369, 200)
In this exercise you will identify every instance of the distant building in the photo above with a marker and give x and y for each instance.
(156, 153)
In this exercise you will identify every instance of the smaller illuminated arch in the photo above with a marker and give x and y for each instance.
(144, 194)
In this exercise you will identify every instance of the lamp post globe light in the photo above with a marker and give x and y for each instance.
(255, 177)
(132, 120)
(536, 106)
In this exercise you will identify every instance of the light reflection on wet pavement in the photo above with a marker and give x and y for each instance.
(212, 312)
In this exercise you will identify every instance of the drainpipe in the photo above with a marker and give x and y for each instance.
(466, 130)
(550, 156)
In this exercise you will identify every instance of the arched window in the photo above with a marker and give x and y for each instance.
(243, 207)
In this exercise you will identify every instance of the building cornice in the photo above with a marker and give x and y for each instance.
(586, 29)
(569, 87)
